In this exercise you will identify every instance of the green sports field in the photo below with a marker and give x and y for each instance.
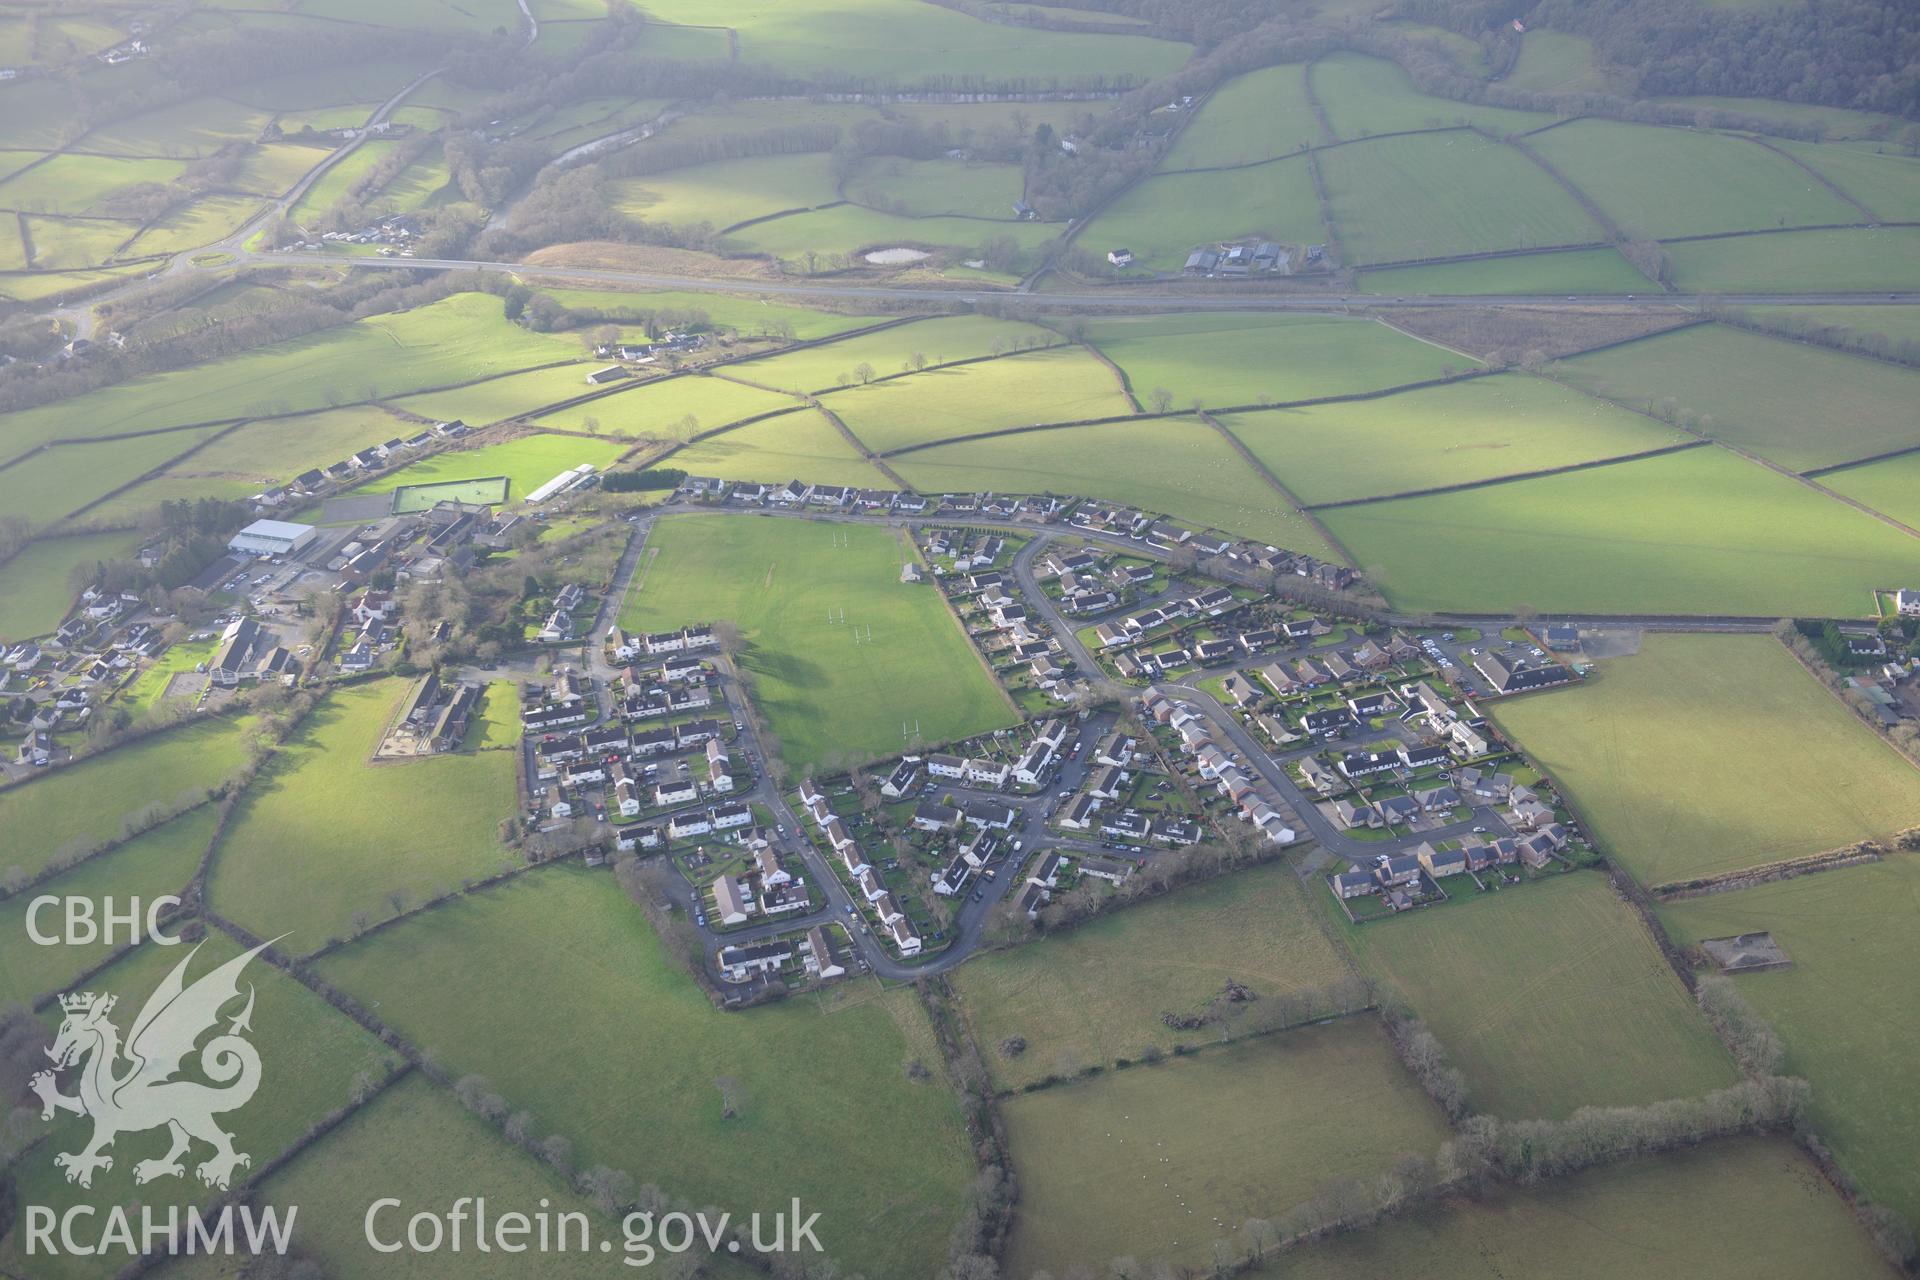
(324, 832)
(1455, 434)
(831, 691)
(1549, 997)
(1695, 532)
(1850, 938)
(1704, 754)
(1797, 405)
(1402, 199)
(1156, 1163)
(1177, 466)
(483, 491)
(1094, 994)
(570, 964)
(1228, 358)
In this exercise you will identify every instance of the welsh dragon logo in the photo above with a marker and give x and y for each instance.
(135, 1087)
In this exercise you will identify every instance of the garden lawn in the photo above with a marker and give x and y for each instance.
(673, 408)
(1664, 182)
(1549, 997)
(160, 861)
(578, 985)
(416, 1143)
(1798, 405)
(933, 188)
(309, 1053)
(458, 339)
(1850, 936)
(826, 697)
(1088, 996)
(1454, 434)
(801, 445)
(1364, 96)
(1730, 1210)
(1061, 385)
(728, 191)
(1397, 199)
(939, 339)
(1156, 1163)
(1891, 487)
(35, 590)
(322, 834)
(79, 806)
(1238, 358)
(1168, 216)
(1690, 533)
(1706, 754)
(1568, 271)
(1253, 117)
(1862, 261)
(1179, 467)
(527, 461)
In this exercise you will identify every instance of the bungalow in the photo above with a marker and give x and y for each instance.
(1421, 757)
(731, 904)
(742, 963)
(1239, 689)
(1317, 775)
(1397, 810)
(1310, 673)
(1369, 705)
(935, 817)
(1361, 764)
(1342, 670)
(1112, 870)
(1437, 800)
(1511, 677)
(1277, 678)
(1252, 642)
(1328, 722)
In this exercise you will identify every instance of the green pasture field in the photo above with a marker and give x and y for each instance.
(561, 950)
(596, 118)
(794, 446)
(1465, 52)
(827, 697)
(1168, 216)
(39, 286)
(60, 242)
(1058, 13)
(156, 862)
(345, 116)
(971, 122)
(1261, 115)
(1891, 487)
(728, 191)
(1091, 995)
(273, 450)
(78, 184)
(196, 127)
(481, 17)
(332, 185)
(426, 182)
(1180, 467)
(512, 395)
(742, 314)
(1838, 123)
(1664, 182)
(1059, 385)
(684, 43)
(1696, 532)
(1549, 997)
(1223, 359)
(661, 409)
(1706, 754)
(1398, 199)
(851, 229)
(1455, 434)
(1364, 96)
(1892, 321)
(1729, 1210)
(457, 339)
(1847, 931)
(1551, 62)
(527, 462)
(930, 188)
(1568, 271)
(309, 1057)
(273, 168)
(940, 339)
(323, 832)
(202, 222)
(874, 40)
(34, 588)
(423, 497)
(59, 481)
(1887, 184)
(1237, 1133)
(416, 1143)
(1797, 405)
(1862, 260)
(13, 253)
